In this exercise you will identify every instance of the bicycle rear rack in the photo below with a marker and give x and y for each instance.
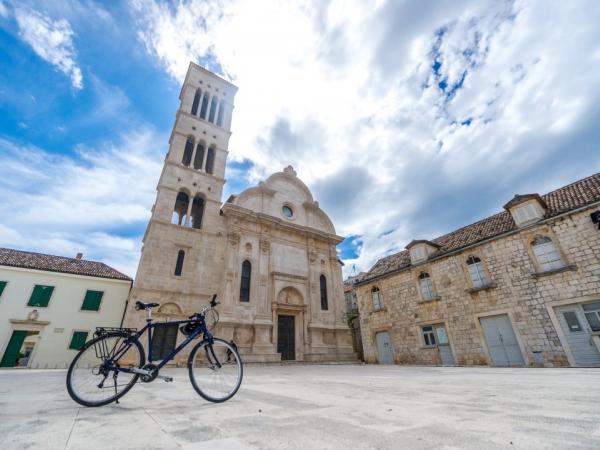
(101, 347)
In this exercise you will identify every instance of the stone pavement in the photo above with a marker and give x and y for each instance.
(316, 406)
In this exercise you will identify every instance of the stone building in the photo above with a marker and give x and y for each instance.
(352, 316)
(269, 253)
(51, 305)
(519, 288)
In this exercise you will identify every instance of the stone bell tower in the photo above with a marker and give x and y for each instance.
(181, 263)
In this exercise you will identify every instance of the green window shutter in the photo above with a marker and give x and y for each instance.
(78, 340)
(2, 286)
(92, 300)
(40, 295)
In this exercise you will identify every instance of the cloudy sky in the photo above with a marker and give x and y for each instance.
(407, 119)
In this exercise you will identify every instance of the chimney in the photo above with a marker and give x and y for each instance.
(79, 255)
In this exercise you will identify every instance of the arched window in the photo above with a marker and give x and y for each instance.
(179, 263)
(210, 160)
(426, 286)
(323, 286)
(197, 212)
(221, 112)
(376, 297)
(213, 110)
(196, 102)
(180, 210)
(546, 253)
(204, 106)
(478, 276)
(187, 152)
(245, 281)
(199, 158)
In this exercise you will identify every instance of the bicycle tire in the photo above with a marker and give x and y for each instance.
(193, 367)
(72, 392)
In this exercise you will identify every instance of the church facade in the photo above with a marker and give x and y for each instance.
(269, 253)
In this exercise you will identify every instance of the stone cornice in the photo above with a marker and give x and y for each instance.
(239, 212)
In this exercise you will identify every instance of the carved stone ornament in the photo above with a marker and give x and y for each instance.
(289, 170)
(234, 239)
(265, 245)
(312, 256)
(33, 315)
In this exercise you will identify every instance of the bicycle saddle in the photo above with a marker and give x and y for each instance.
(141, 305)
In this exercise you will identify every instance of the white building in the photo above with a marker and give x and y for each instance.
(51, 305)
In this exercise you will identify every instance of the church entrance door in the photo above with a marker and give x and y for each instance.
(286, 342)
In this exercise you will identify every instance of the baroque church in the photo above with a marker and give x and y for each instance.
(269, 253)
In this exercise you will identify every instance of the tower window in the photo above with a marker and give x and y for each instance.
(545, 251)
(245, 281)
(179, 263)
(220, 115)
(213, 110)
(196, 102)
(376, 298)
(478, 277)
(210, 160)
(187, 152)
(199, 158)
(180, 211)
(323, 287)
(204, 106)
(197, 212)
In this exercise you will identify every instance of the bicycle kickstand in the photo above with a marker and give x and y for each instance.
(115, 383)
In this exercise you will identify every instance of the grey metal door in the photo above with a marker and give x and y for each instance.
(501, 341)
(384, 348)
(579, 336)
(444, 346)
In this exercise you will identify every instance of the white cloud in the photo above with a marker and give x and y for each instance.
(393, 148)
(52, 40)
(3, 9)
(57, 204)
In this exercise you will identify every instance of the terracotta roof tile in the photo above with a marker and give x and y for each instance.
(564, 199)
(51, 263)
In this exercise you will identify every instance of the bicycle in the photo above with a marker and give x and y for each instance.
(214, 365)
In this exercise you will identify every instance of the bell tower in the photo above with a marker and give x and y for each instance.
(181, 261)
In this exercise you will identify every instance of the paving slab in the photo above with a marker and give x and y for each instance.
(316, 406)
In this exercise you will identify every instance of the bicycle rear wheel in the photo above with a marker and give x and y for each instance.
(216, 370)
(90, 383)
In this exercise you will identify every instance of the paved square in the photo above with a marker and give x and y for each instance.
(328, 406)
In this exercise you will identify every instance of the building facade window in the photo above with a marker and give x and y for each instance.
(179, 216)
(526, 213)
(428, 336)
(186, 160)
(210, 160)
(323, 288)
(221, 112)
(78, 340)
(376, 298)
(197, 212)
(592, 314)
(213, 110)
(196, 102)
(245, 281)
(477, 273)
(2, 286)
(199, 157)
(204, 106)
(546, 253)
(179, 263)
(426, 285)
(92, 300)
(40, 296)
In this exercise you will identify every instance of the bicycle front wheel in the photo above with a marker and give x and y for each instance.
(92, 379)
(215, 370)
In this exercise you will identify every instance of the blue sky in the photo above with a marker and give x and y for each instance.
(406, 120)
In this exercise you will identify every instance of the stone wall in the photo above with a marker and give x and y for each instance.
(518, 289)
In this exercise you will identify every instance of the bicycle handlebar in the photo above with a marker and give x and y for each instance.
(213, 304)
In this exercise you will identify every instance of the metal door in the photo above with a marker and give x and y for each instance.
(11, 354)
(579, 335)
(384, 348)
(444, 346)
(501, 341)
(286, 341)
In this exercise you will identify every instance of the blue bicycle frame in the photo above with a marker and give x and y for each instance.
(201, 329)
